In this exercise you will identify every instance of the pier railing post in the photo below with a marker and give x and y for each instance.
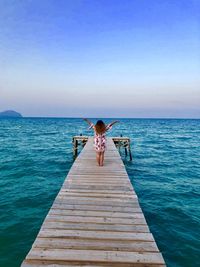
(75, 147)
(125, 143)
(125, 148)
(129, 150)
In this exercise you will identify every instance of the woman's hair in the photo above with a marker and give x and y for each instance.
(100, 127)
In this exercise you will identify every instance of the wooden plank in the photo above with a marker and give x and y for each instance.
(105, 187)
(122, 245)
(35, 263)
(107, 200)
(92, 213)
(97, 182)
(59, 263)
(123, 188)
(99, 201)
(100, 220)
(113, 192)
(99, 187)
(97, 176)
(96, 227)
(97, 256)
(66, 201)
(135, 208)
(98, 195)
(96, 235)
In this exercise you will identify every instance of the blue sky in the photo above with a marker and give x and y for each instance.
(136, 58)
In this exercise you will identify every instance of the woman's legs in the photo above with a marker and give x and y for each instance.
(98, 157)
(101, 158)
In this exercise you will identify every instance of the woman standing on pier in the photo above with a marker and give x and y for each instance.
(100, 129)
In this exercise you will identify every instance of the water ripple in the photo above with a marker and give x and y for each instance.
(36, 154)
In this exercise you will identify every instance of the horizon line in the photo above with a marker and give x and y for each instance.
(71, 117)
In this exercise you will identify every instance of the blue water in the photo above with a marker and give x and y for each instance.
(36, 154)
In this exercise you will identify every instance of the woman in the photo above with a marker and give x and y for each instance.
(100, 129)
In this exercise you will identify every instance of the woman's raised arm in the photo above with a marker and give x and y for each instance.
(112, 123)
(109, 126)
(88, 121)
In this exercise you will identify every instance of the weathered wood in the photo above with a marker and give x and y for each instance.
(96, 227)
(110, 192)
(85, 201)
(135, 208)
(90, 213)
(102, 187)
(122, 245)
(105, 235)
(101, 220)
(96, 219)
(97, 256)
(125, 196)
(96, 181)
(59, 263)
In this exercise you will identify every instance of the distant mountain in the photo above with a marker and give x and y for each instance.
(10, 114)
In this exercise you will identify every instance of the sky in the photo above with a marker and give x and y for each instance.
(89, 58)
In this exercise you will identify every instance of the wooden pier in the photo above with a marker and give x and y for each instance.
(95, 219)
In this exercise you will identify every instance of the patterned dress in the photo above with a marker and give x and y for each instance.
(100, 139)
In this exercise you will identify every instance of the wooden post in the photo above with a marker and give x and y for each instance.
(84, 142)
(125, 150)
(75, 147)
(129, 149)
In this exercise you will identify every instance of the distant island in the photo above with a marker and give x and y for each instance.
(10, 114)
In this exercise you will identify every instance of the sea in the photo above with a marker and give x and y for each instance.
(36, 155)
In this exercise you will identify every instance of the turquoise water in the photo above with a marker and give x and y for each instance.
(36, 154)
